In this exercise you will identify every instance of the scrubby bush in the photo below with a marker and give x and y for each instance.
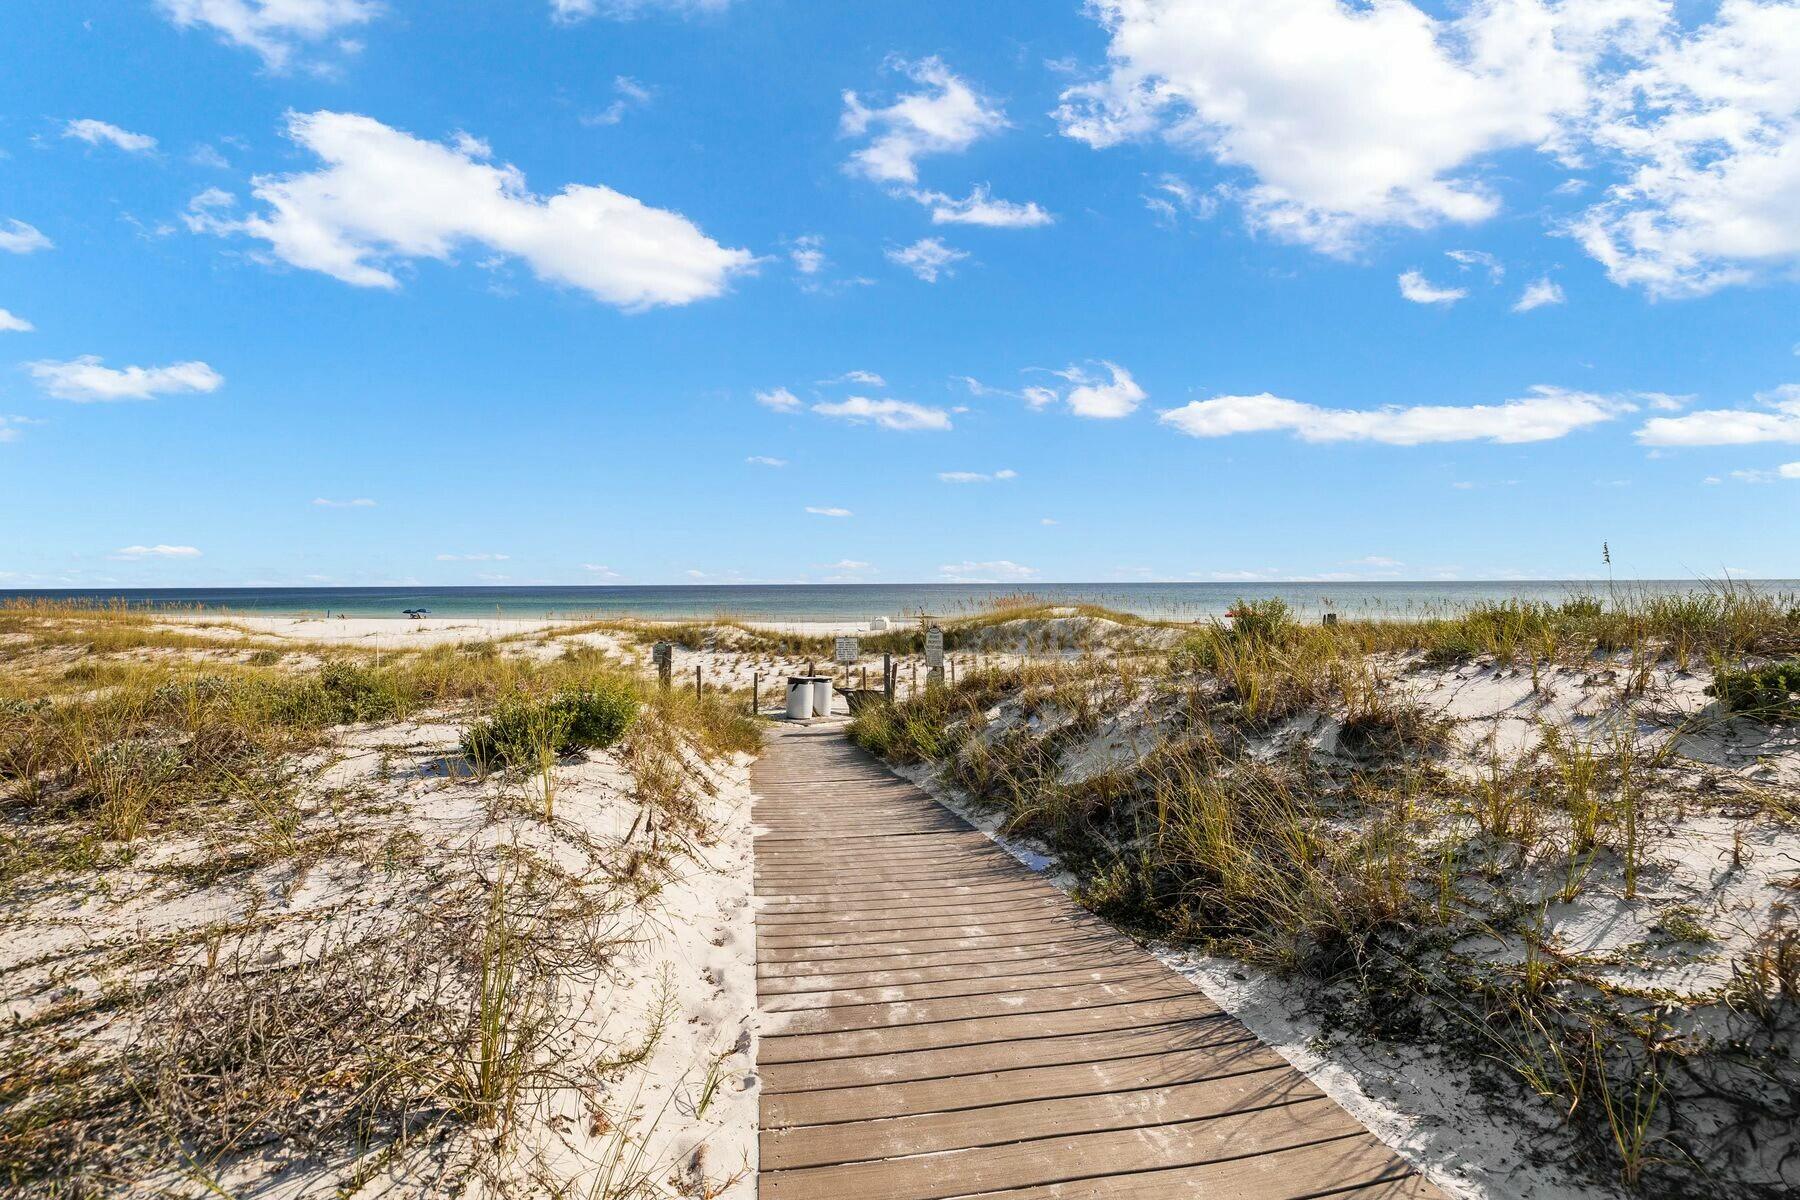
(1771, 692)
(524, 731)
(1261, 620)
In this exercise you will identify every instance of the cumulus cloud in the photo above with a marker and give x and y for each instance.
(980, 208)
(888, 414)
(96, 133)
(779, 399)
(1090, 395)
(359, 502)
(157, 551)
(1420, 290)
(927, 258)
(998, 570)
(763, 460)
(946, 116)
(1708, 125)
(828, 512)
(808, 254)
(1777, 421)
(384, 197)
(1538, 293)
(86, 379)
(1545, 414)
(16, 237)
(272, 28)
(977, 476)
(12, 323)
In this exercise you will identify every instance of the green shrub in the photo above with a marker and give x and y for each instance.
(599, 715)
(1771, 692)
(525, 731)
(1261, 620)
(360, 693)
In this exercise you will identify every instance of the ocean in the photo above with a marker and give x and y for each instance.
(859, 602)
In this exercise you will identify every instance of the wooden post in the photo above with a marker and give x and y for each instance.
(887, 677)
(696, 681)
(755, 692)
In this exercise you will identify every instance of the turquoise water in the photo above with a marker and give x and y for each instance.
(859, 602)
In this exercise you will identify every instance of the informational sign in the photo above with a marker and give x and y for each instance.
(934, 647)
(845, 651)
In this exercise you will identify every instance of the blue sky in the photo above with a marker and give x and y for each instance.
(337, 292)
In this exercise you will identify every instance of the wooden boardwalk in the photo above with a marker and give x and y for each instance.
(939, 1022)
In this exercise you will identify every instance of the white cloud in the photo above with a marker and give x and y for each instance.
(1174, 196)
(927, 258)
(473, 557)
(850, 564)
(359, 502)
(16, 237)
(1375, 560)
(1664, 402)
(980, 208)
(12, 323)
(84, 379)
(1708, 126)
(385, 196)
(868, 378)
(600, 569)
(808, 254)
(1784, 471)
(999, 570)
(1538, 293)
(763, 460)
(977, 476)
(1420, 290)
(779, 399)
(828, 512)
(889, 414)
(272, 28)
(628, 93)
(1467, 259)
(95, 132)
(1346, 116)
(1090, 396)
(1731, 426)
(157, 551)
(570, 12)
(1046, 520)
(947, 117)
(1545, 414)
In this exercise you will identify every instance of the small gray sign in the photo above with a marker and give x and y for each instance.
(845, 651)
(934, 647)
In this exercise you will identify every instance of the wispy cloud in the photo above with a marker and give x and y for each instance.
(272, 28)
(1545, 414)
(1089, 394)
(779, 399)
(819, 511)
(763, 460)
(928, 258)
(1539, 293)
(1420, 290)
(888, 414)
(159, 550)
(473, 557)
(868, 378)
(1777, 421)
(85, 379)
(17, 237)
(359, 502)
(977, 476)
(96, 133)
(945, 117)
(999, 570)
(980, 208)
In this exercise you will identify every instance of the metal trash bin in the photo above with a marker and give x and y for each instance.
(821, 702)
(799, 697)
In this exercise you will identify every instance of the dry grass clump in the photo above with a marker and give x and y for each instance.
(1278, 798)
(378, 1042)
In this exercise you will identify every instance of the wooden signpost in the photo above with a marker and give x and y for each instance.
(663, 655)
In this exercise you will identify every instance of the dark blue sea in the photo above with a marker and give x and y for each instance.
(859, 602)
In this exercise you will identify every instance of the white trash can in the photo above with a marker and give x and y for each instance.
(821, 703)
(799, 697)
